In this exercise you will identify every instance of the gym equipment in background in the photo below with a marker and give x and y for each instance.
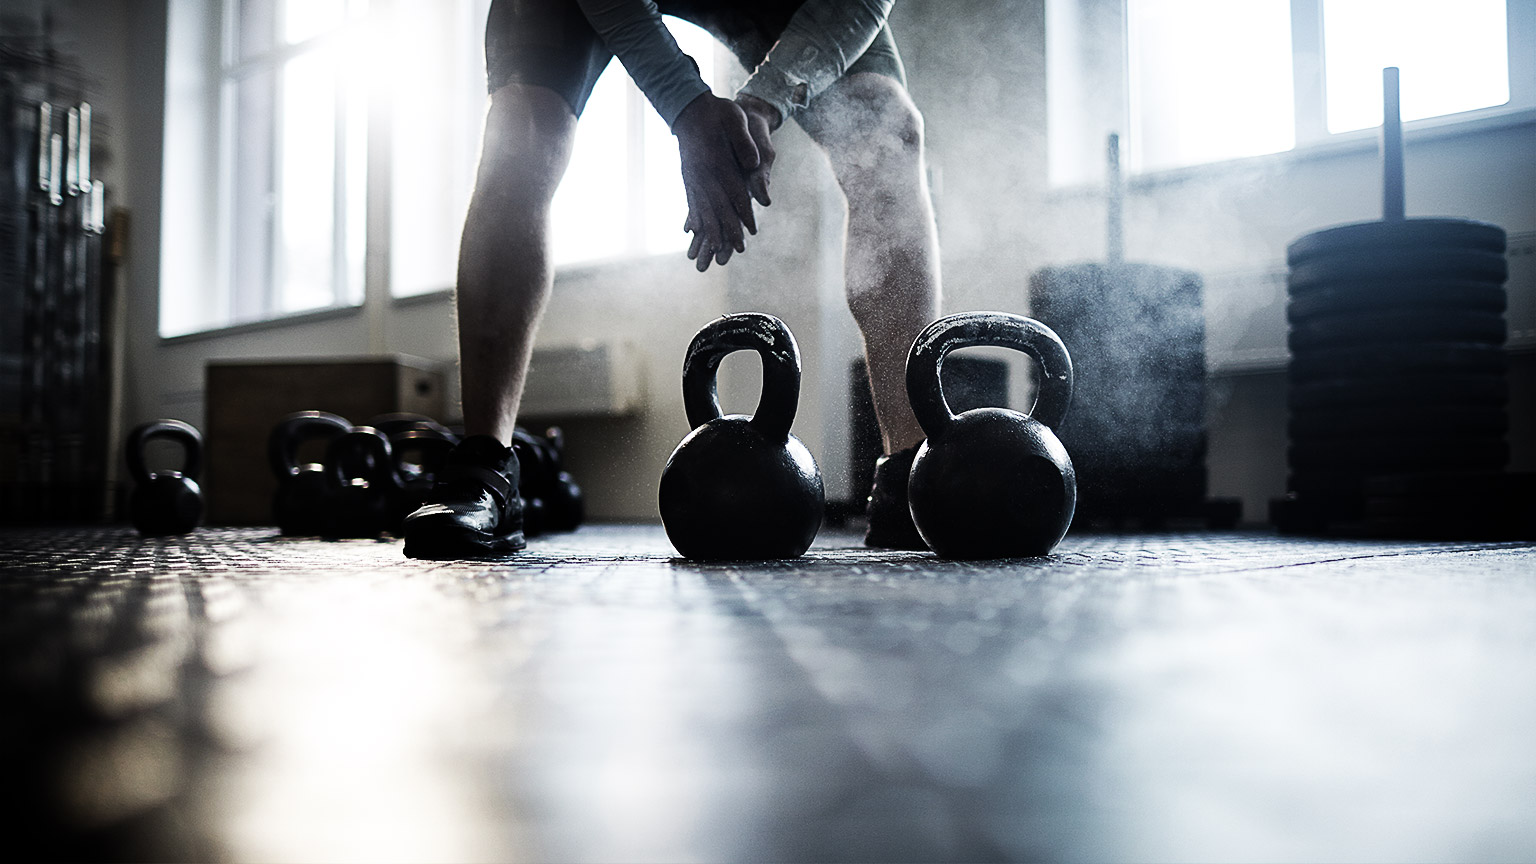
(1397, 390)
(990, 482)
(1137, 332)
(60, 312)
(165, 502)
(303, 500)
(364, 482)
(552, 499)
(742, 487)
(419, 453)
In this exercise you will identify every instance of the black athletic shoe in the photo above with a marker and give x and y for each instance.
(890, 520)
(474, 510)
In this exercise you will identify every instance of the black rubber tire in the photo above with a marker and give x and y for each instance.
(1397, 326)
(1394, 264)
(1368, 296)
(1452, 233)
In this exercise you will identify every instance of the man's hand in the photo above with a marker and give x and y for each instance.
(762, 119)
(717, 153)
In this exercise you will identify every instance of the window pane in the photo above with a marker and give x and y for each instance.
(590, 213)
(432, 66)
(306, 19)
(307, 190)
(1453, 57)
(255, 26)
(1210, 80)
(252, 182)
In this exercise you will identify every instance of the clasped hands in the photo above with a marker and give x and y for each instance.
(726, 160)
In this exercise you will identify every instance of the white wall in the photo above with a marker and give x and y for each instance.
(977, 70)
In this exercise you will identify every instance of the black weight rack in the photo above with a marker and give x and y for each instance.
(54, 406)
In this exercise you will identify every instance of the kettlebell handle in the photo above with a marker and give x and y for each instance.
(293, 430)
(744, 331)
(968, 329)
(374, 447)
(184, 434)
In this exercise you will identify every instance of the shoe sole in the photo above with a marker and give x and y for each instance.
(444, 545)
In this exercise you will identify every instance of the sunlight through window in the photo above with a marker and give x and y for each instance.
(623, 194)
(1452, 57)
(1210, 80)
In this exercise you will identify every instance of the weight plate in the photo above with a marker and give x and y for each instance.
(1431, 392)
(1445, 294)
(1376, 360)
(1458, 233)
(1382, 455)
(1329, 484)
(1350, 422)
(1502, 488)
(1391, 264)
(1396, 326)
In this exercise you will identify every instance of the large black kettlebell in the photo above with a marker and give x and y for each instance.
(742, 487)
(991, 483)
(165, 502)
(302, 503)
(362, 472)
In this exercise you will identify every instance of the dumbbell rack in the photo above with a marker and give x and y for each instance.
(1397, 389)
(54, 450)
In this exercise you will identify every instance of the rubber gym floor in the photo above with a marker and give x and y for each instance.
(234, 695)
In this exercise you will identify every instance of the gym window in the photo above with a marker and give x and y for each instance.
(620, 198)
(1193, 82)
(284, 221)
(290, 123)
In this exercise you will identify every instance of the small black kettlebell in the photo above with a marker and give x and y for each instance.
(302, 503)
(393, 424)
(742, 487)
(564, 503)
(418, 453)
(362, 473)
(990, 483)
(165, 502)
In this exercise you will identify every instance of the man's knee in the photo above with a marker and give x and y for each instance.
(868, 122)
(529, 132)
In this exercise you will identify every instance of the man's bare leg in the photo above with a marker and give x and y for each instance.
(873, 135)
(504, 280)
(504, 272)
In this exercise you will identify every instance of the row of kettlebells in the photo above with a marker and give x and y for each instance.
(371, 477)
(987, 483)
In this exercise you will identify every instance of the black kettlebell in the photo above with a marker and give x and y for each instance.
(742, 487)
(302, 503)
(418, 453)
(991, 483)
(393, 424)
(532, 473)
(565, 506)
(362, 472)
(165, 502)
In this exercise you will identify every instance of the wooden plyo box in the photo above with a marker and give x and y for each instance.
(245, 399)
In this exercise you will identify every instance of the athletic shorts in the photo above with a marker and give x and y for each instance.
(550, 44)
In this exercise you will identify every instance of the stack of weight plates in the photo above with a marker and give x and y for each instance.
(1398, 398)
